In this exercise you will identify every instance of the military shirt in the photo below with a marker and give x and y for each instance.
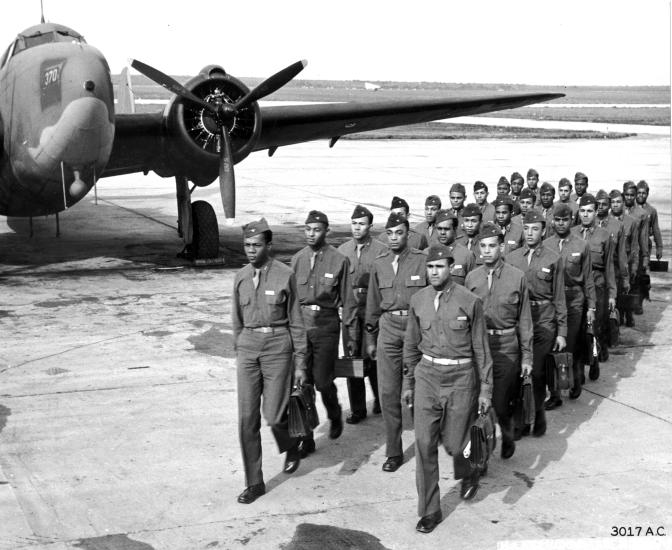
(513, 237)
(328, 283)
(545, 280)
(601, 253)
(415, 239)
(488, 212)
(654, 228)
(455, 331)
(471, 244)
(506, 303)
(573, 206)
(274, 303)
(429, 232)
(642, 218)
(577, 263)
(390, 292)
(615, 229)
(464, 261)
(360, 268)
(631, 238)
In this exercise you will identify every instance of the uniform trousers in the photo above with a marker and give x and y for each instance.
(323, 332)
(506, 379)
(264, 369)
(601, 326)
(356, 386)
(576, 330)
(445, 405)
(390, 373)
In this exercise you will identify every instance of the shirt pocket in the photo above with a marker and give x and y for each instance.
(573, 265)
(509, 306)
(416, 281)
(596, 255)
(458, 324)
(545, 274)
(276, 305)
(386, 287)
(458, 270)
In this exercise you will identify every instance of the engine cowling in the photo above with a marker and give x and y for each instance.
(193, 139)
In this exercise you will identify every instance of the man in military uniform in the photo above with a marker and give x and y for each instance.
(512, 233)
(546, 286)
(447, 378)
(427, 228)
(360, 251)
(602, 260)
(526, 202)
(463, 259)
(503, 290)
(580, 188)
(565, 195)
(517, 184)
(457, 195)
(641, 217)
(396, 275)
(579, 293)
(471, 222)
(654, 228)
(415, 239)
(631, 238)
(323, 281)
(270, 343)
(533, 183)
(546, 198)
(503, 187)
(481, 199)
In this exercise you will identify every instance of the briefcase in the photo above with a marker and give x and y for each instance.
(349, 367)
(630, 301)
(482, 439)
(614, 327)
(559, 371)
(658, 266)
(527, 400)
(303, 418)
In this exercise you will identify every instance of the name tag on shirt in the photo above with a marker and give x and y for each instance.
(511, 242)
(329, 275)
(576, 253)
(545, 270)
(457, 266)
(415, 277)
(270, 293)
(462, 318)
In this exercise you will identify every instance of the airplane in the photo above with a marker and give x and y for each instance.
(59, 131)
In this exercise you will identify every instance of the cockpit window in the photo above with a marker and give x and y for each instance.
(39, 38)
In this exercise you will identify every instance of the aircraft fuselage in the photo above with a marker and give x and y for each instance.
(57, 120)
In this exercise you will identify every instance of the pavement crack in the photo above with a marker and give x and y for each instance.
(628, 406)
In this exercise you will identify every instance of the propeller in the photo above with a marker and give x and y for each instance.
(224, 114)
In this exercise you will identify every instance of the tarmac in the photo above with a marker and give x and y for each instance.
(118, 424)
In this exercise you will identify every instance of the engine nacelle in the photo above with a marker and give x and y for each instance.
(194, 138)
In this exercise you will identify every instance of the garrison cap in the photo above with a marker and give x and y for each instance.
(628, 184)
(396, 219)
(546, 187)
(587, 199)
(533, 216)
(458, 188)
(315, 216)
(564, 182)
(614, 193)
(433, 200)
(480, 185)
(532, 172)
(472, 210)
(503, 201)
(439, 252)
(562, 210)
(580, 176)
(445, 215)
(255, 227)
(360, 212)
(490, 229)
(398, 202)
(641, 184)
(516, 176)
(503, 179)
(527, 193)
(601, 194)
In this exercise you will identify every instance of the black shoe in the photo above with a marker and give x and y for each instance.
(508, 448)
(252, 493)
(292, 460)
(552, 403)
(355, 418)
(539, 428)
(524, 431)
(575, 392)
(306, 447)
(336, 428)
(469, 486)
(629, 322)
(427, 524)
(376, 407)
(484, 470)
(393, 463)
(603, 356)
(594, 371)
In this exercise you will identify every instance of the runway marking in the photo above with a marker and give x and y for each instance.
(629, 406)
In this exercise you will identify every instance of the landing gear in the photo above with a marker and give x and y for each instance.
(196, 224)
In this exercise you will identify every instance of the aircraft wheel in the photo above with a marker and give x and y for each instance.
(206, 231)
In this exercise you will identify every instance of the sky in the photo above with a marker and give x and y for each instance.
(573, 42)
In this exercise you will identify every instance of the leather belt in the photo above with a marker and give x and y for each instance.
(311, 307)
(539, 302)
(399, 312)
(501, 331)
(441, 361)
(360, 289)
(266, 330)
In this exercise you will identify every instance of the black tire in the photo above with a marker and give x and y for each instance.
(205, 244)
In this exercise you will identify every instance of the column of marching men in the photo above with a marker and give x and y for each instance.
(449, 316)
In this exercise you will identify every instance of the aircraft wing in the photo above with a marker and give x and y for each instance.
(287, 125)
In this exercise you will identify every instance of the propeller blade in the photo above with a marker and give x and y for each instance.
(169, 84)
(227, 179)
(271, 84)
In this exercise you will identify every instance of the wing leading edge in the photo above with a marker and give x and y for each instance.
(295, 124)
